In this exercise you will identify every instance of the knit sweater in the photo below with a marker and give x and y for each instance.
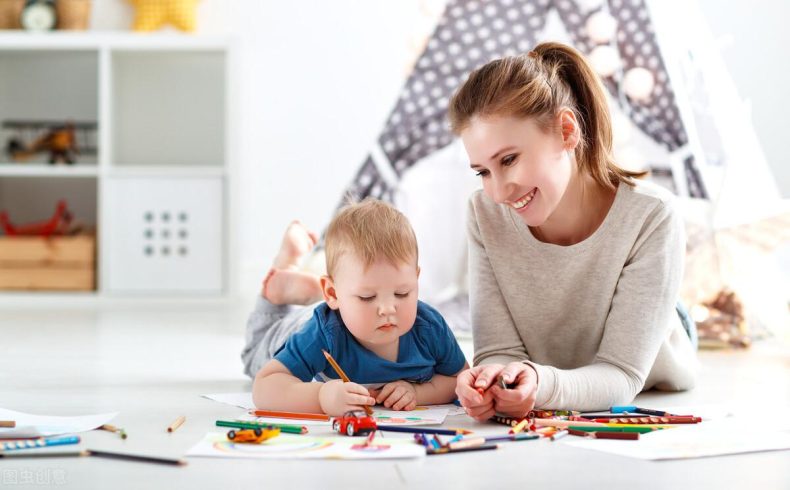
(595, 319)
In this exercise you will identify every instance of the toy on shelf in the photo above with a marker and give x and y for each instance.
(151, 15)
(253, 436)
(58, 138)
(59, 224)
(354, 423)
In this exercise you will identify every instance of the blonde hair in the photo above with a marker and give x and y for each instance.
(371, 230)
(539, 84)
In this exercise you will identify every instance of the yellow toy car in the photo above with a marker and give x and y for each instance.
(252, 436)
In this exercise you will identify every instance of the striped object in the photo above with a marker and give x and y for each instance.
(37, 443)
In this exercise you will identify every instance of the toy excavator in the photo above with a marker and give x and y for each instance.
(58, 224)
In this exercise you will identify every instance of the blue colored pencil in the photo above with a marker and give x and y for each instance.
(36, 443)
(420, 430)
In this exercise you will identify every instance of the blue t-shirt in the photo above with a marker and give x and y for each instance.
(428, 348)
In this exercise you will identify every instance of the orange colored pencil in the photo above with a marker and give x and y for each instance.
(290, 415)
(7, 423)
(343, 376)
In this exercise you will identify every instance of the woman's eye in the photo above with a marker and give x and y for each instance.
(402, 295)
(366, 298)
(508, 160)
(482, 173)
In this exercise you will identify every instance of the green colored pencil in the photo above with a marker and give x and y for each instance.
(243, 424)
(585, 428)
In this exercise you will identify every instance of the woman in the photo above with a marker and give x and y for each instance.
(575, 265)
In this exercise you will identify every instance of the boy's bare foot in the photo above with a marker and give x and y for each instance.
(297, 242)
(288, 287)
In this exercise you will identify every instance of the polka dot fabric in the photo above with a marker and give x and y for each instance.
(473, 32)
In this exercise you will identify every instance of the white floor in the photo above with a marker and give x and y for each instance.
(151, 363)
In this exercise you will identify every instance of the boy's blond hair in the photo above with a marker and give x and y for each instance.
(371, 230)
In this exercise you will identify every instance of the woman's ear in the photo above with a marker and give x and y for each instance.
(571, 132)
(328, 290)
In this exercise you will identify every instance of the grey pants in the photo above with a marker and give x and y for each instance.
(268, 327)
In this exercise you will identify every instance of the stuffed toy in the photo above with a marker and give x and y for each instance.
(153, 14)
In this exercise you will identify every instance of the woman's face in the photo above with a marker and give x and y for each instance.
(521, 165)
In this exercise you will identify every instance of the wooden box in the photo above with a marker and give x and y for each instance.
(57, 263)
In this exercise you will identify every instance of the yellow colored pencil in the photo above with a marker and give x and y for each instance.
(343, 376)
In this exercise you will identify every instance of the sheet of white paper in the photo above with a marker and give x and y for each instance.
(428, 415)
(242, 400)
(290, 446)
(732, 435)
(29, 425)
(423, 415)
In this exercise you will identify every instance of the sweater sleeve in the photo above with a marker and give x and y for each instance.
(493, 330)
(638, 322)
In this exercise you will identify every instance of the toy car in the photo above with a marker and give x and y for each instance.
(254, 436)
(354, 423)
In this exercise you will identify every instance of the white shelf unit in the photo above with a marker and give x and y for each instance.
(159, 190)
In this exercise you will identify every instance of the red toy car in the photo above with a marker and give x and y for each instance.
(354, 423)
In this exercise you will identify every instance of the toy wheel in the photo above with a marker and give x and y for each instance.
(258, 432)
(335, 425)
(231, 434)
(350, 429)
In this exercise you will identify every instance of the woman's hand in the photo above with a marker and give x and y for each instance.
(519, 400)
(479, 406)
(515, 402)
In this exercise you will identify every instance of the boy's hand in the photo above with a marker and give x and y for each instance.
(337, 397)
(398, 395)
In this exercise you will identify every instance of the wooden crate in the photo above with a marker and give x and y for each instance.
(57, 263)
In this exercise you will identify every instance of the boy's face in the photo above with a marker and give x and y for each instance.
(378, 304)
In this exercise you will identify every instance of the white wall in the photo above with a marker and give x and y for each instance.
(754, 41)
(315, 82)
(317, 78)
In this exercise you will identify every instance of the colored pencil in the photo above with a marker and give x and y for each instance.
(44, 454)
(501, 382)
(8, 423)
(37, 443)
(643, 411)
(342, 375)
(176, 423)
(639, 429)
(565, 423)
(243, 424)
(559, 434)
(519, 426)
(420, 430)
(290, 415)
(652, 420)
(476, 441)
(626, 436)
(111, 428)
(446, 450)
(135, 457)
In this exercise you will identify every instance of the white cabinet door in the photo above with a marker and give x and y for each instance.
(164, 234)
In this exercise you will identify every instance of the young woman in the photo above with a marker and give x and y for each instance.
(575, 265)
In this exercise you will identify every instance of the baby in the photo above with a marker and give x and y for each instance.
(397, 351)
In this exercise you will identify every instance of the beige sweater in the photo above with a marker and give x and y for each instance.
(596, 319)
